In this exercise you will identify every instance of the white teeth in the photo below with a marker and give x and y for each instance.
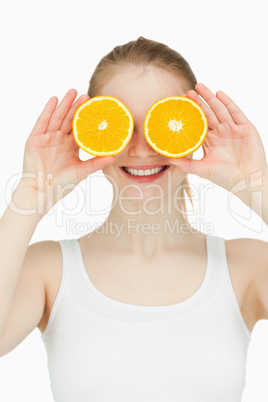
(147, 172)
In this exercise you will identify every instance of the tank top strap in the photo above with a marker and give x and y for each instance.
(217, 262)
(70, 252)
(220, 274)
(221, 278)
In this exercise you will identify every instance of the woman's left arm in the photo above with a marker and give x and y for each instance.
(234, 156)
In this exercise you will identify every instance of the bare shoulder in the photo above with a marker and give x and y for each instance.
(248, 265)
(252, 253)
(43, 258)
(47, 254)
(37, 285)
(45, 251)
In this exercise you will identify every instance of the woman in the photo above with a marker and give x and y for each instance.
(144, 308)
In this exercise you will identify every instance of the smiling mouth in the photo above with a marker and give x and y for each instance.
(144, 172)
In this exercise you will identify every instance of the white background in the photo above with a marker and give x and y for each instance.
(52, 46)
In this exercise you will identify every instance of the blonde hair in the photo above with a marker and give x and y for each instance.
(145, 52)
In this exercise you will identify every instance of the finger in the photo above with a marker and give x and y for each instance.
(66, 126)
(236, 113)
(85, 168)
(43, 120)
(211, 118)
(216, 105)
(191, 166)
(62, 110)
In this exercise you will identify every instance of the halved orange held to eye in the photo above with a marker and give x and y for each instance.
(175, 126)
(102, 126)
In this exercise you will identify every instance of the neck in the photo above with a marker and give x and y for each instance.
(144, 229)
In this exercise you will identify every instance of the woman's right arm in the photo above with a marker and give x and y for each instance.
(51, 169)
(16, 230)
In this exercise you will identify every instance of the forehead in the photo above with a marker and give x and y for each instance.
(141, 86)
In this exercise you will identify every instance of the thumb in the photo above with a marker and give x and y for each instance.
(191, 166)
(85, 168)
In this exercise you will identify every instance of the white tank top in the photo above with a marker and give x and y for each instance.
(103, 350)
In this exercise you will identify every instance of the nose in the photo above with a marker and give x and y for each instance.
(138, 146)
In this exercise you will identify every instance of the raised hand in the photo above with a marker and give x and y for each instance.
(232, 148)
(51, 164)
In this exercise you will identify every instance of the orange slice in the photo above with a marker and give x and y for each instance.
(175, 126)
(102, 126)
